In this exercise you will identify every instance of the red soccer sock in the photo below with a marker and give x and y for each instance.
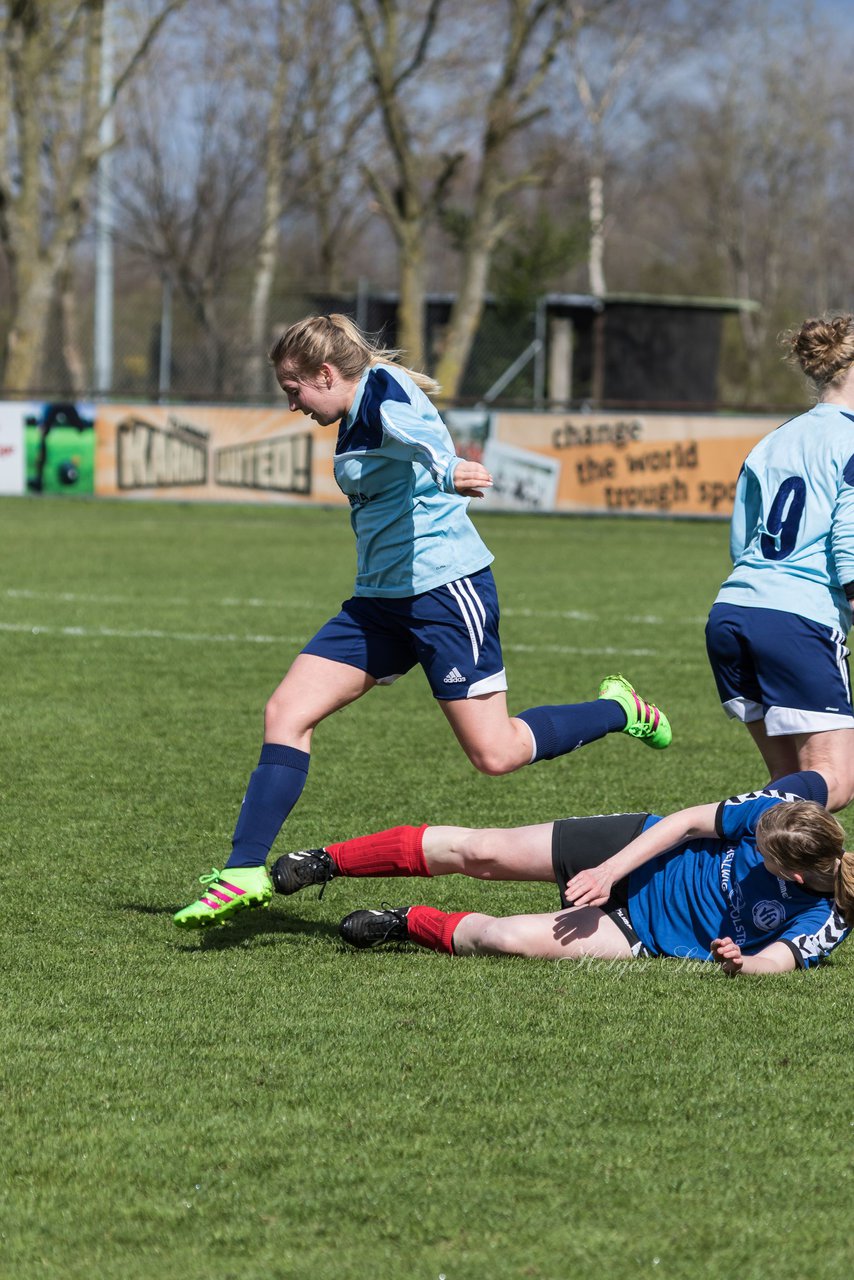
(395, 852)
(433, 928)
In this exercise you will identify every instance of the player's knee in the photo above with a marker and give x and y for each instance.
(500, 937)
(281, 720)
(840, 788)
(493, 759)
(274, 715)
(477, 855)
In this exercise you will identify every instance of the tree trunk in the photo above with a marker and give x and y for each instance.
(465, 321)
(69, 314)
(37, 246)
(410, 307)
(596, 248)
(265, 262)
(25, 339)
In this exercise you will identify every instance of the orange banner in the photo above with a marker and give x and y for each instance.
(206, 453)
(665, 464)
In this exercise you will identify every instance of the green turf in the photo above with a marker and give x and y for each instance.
(259, 1102)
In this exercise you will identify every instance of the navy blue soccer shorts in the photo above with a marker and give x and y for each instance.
(452, 631)
(788, 670)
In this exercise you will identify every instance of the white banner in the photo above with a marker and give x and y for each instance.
(12, 460)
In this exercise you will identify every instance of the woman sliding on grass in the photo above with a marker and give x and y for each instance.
(424, 595)
(759, 883)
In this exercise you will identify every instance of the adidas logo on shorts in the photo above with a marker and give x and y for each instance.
(454, 677)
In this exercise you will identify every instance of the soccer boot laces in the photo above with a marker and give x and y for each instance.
(225, 893)
(644, 720)
(373, 928)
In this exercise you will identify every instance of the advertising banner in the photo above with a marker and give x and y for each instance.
(629, 463)
(11, 449)
(662, 464)
(213, 453)
(46, 447)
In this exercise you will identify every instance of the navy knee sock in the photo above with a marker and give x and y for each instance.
(557, 730)
(809, 785)
(274, 788)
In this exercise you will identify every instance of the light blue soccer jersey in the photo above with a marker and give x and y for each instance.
(792, 533)
(720, 888)
(395, 461)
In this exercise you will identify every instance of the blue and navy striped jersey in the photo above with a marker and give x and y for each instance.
(395, 461)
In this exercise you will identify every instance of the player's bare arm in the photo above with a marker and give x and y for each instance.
(777, 958)
(592, 887)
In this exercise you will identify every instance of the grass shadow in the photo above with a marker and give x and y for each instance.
(258, 924)
(235, 932)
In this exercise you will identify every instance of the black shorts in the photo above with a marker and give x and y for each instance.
(581, 843)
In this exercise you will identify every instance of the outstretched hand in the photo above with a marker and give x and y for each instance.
(471, 478)
(591, 887)
(728, 955)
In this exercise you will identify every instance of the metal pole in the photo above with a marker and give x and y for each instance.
(104, 219)
(164, 374)
(510, 373)
(362, 298)
(540, 353)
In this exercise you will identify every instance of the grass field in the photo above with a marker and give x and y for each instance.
(259, 1102)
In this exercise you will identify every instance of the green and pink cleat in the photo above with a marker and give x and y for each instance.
(643, 719)
(226, 893)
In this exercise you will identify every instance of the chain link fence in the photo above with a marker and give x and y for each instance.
(562, 352)
(165, 350)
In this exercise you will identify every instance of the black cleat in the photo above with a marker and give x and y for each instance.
(295, 871)
(372, 928)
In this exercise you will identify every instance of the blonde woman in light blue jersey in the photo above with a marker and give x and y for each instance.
(776, 635)
(424, 595)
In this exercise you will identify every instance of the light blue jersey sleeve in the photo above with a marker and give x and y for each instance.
(842, 527)
(425, 436)
(745, 514)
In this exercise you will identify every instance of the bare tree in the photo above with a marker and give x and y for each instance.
(201, 194)
(266, 253)
(618, 54)
(340, 137)
(759, 185)
(314, 124)
(596, 101)
(50, 116)
(397, 40)
(531, 35)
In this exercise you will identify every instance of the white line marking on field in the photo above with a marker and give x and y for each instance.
(257, 602)
(573, 615)
(70, 597)
(113, 633)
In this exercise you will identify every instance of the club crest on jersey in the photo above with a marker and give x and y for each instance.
(454, 677)
(768, 915)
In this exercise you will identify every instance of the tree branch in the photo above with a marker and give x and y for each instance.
(421, 51)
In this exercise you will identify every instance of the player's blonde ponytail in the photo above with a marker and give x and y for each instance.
(337, 340)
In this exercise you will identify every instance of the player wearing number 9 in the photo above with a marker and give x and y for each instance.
(776, 635)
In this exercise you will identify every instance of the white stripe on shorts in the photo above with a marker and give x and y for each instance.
(838, 637)
(472, 610)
